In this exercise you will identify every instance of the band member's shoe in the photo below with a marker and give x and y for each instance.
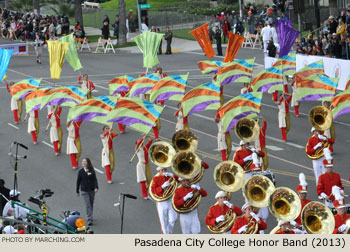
(74, 168)
(110, 182)
(146, 198)
(34, 142)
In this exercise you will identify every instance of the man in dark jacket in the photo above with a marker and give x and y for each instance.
(217, 37)
(5, 193)
(168, 37)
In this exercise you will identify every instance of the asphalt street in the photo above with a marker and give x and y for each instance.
(42, 169)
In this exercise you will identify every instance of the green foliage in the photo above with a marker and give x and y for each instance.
(60, 7)
(23, 5)
(130, 4)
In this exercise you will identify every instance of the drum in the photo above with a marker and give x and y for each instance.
(269, 174)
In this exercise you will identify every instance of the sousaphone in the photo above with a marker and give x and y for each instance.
(247, 129)
(185, 140)
(257, 190)
(186, 164)
(168, 192)
(161, 154)
(317, 218)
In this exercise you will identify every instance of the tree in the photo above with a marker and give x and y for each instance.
(333, 10)
(78, 13)
(122, 23)
(36, 5)
(61, 7)
(23, 5)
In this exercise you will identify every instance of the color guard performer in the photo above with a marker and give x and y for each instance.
(166, 213)
(56, 129)
(218, 211)
(260, 142)
(247, 88)
(16, 106)
(301, 190)
(283, 114)
(340, 218)
(86, 84)
(325, 183)
(161, 76)
(189, 221)
(241, 223)
(221, 140)
(143, 170)
(314, 143)
(33, 125)
(294, 103)
(73, 142)
(181, 120)
(107, 151)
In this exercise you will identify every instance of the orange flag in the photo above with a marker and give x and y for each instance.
(234, 43)
(201, 34)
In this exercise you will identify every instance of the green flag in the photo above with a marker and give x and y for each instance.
(72, 53)
(148, 43)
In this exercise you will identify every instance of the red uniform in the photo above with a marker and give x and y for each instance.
(313, 141)
(57, 142)
(262, 135)
(284, 116)
(282, 232)
(242, 153)
(75, 156)
(143, 172)
(216, 211)
(156, 187)
(181, 192)
(109, 166)
(340, 220)
(243, 220)
(325, 183)
(303, 204)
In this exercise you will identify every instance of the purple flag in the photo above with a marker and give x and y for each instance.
(286, 37)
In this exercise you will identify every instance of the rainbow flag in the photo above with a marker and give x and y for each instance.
(5, 57)
(169, 88)
(143, 85)
(208, 66)
(140, 115)
(95, 110)
(316, 87)
(34, 99)
(288, 62)
(203, 97)
(64, 96)
(119, 84)
(313, 68)
(236, 71)
(238, 107)
(20, 89)
(341, 104)
(271, 77)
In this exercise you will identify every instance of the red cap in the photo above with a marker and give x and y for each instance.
(205, 165)
(339, 203)
(139, 142)
(301, 189)
(328, 163)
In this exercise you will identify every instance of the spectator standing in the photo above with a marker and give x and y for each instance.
(251, 22)
(105, 30)
(144, 27)
(217, 37)
(4, 196)
(266, 35)
(332, 25)
(116, 27)
(106, 20)
(341, 28)
(168, 37)
(161, 42)
(132, 20)
(225, 29)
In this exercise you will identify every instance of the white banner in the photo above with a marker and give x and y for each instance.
(332, 67)
(19, 49)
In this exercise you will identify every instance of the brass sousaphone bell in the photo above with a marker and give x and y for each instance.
(161, 154)
(247, 129)
(186, 164)
(229, 176)
(317, 218)
(184, 140)
(257, 190)
(320, 117)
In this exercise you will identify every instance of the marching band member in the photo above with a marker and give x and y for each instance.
(73, 142)
(166, 213)
(86, 84)
(161, 76)
(325, 183)
(294, 103)
(143, 170)
(245, 154)
(283, 114)
(241, 223)
(107, 151)
(260, 142)
(315, 142)
(189, 221)
(33, 125)
(122, 127)
(218, 211)
(56, 129)
(221, 140)
(16, 106)
(286, 228)
(247, 88)
(181, 120)
(301, 190)
(330, 132)
(340, 218)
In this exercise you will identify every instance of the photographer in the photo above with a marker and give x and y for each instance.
(16, 211)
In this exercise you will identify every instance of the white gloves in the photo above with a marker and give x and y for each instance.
(188, 196)
(228, 204)
(322, 137)
(220, 218)
(254, 150)
(342, 228)
(323, 195)
(254, 216)
(317, 146)
(293, 223)
(242, 229)
(168, 174)
(196, 187)
(298, 231)
(165, 184)
(248, 158)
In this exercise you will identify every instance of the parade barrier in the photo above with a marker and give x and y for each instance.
(252, 41)
(19, 49)
(104, 45)
(84, 44)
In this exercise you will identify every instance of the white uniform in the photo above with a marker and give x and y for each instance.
(282, 115)
(53, 129)
(105, 152)
(17, 211)
(221, 137)
(141, 166)
(294, 93)
(190, 222)
(167, 216)
(244, 90)
(179, 123)
(49, 109)
(71, 147)
(266, 36)
(14, 104)
(31, 122)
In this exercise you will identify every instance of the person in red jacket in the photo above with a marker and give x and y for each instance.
(56, 129)
(247, 88)
(340, 218)
(218, 211)
(33, 125)
(189, 221)
(241, 223)
(294, 103)
(86, 84)
(107, 151)
(301, 190)
(248, 158)
(143, 171)
(73, 142)
(286, 228)
(283, 114)
(16, 106)
(314, 143)
(166, 213)
(325, 183)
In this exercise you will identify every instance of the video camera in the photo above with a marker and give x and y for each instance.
(38, 199)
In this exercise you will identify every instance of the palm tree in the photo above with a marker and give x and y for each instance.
(122, 23)
(78, 13)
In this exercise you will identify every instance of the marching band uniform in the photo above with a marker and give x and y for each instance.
(294, 103)
(283, 115)
(16, 106)
(180, 120)
(330, 132)
(33, 125)
(325, 183)
(86, 85)
(242, 221)
(287, 229)
(302, 188)
(143, 171)
(121, 127)
(166, 213)
(161, 76)
(56, 129)
(73, 143)
(222, 147)
(246, 89)
(340, 218)
(108, 153)
(189, 221)
(313, 144)
(260, 143)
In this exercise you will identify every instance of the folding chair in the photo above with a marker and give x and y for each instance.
(100, 46)
(109, 46)
(85, 44)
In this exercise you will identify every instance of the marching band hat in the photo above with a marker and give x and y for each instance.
(246, 205)
(220, 194)
(160, 168)
(243, 142)
(14, 193)
(313, 129)
(281, 222)
(302, 187)
(328, 163)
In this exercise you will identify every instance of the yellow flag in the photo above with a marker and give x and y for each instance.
(57, 53)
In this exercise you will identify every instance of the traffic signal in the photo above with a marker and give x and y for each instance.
(142, 1)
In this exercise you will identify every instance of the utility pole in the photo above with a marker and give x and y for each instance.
(139, 15)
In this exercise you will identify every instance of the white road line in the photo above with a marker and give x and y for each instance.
(13, 126)
(288, 143)
(98, 170)
(274, 148)
(101, 87)
(50, 145)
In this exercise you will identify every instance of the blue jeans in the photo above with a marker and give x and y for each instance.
(251, 29)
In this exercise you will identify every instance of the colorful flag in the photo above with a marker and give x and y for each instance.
(201, 34)
(203, 97)
(64, 96)
(143, 85)
(119, 84)
(57, 53)
(313, 68)
(347, 83)
(236, 71)
(288, 64)
(341, 104)
(72, 54)
(34, 98)
(241, 106)
(20, 89)
(148, 43)
(234, 44)
(5, 57)
(95, 110)
(139, 114)
(169, 88)
(271, 77)
(316, 87)
(208, 66)
(286, 37)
